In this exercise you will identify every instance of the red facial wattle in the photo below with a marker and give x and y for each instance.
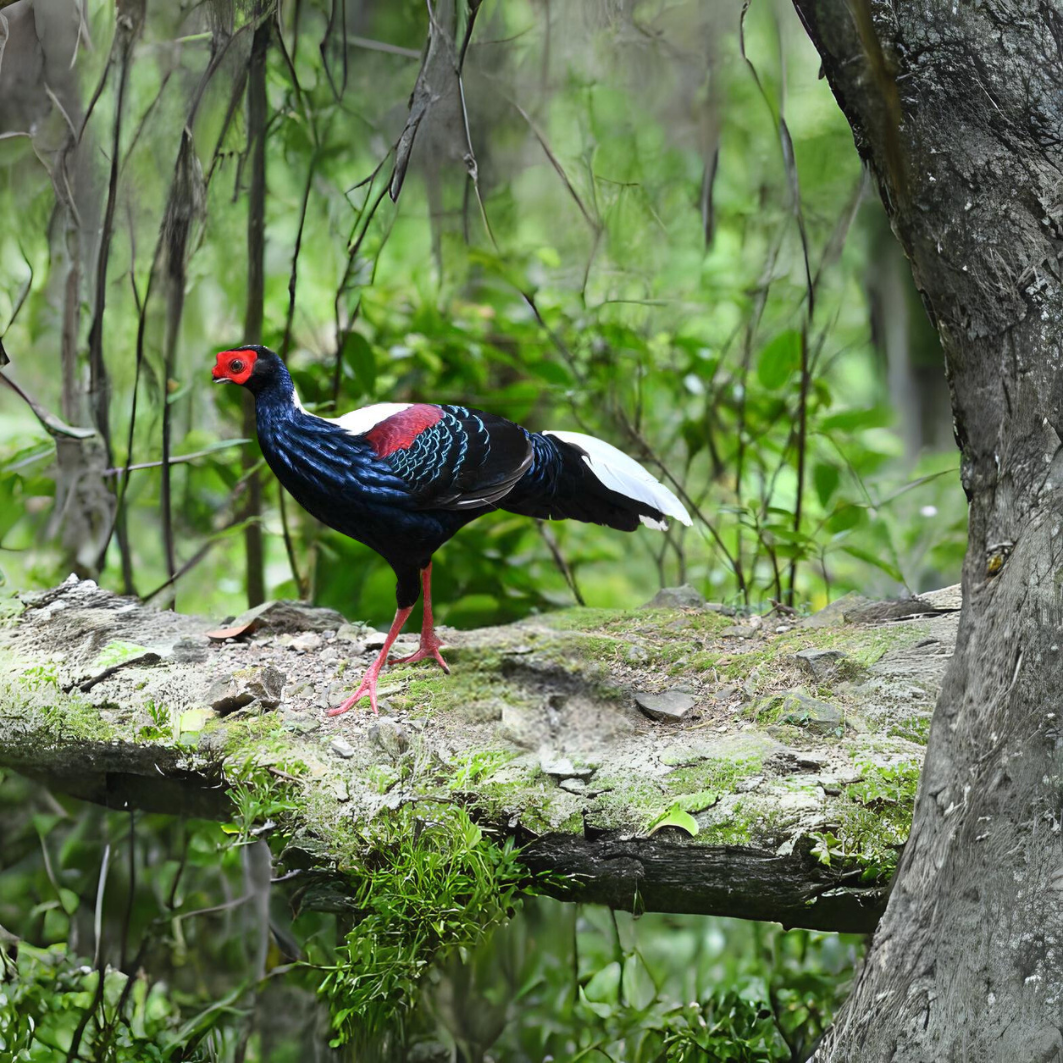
(234, 366)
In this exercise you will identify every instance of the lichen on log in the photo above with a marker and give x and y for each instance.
(668, 758)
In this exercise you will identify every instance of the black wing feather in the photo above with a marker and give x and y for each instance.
(469, 459)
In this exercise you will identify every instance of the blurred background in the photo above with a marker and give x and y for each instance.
(643, 220)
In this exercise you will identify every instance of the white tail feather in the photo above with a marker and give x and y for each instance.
(627, 477)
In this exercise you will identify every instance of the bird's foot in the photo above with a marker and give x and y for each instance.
(367, 686)
(428, 650)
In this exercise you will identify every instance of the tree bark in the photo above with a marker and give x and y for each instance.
(958, 110)
(537, 730)
(257, 117)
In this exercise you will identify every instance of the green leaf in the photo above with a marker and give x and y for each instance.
(604, 986)
(118, 652)
(193, 720)
(850, 420)
(10, 513)
(677, 817)
(69, 900)
(359, 357)
(825, 478)
(846, 515)
(779, 359)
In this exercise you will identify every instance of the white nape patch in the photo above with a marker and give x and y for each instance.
(627, 477)
(358, 422)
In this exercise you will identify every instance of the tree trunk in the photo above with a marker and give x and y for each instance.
(733, 795)
(959, 112)
(254, 546)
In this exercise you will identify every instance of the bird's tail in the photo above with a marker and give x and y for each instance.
(578, 477)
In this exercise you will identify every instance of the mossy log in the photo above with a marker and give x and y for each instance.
(668, 758)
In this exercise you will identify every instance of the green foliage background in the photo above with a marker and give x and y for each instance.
(669, 243)
(643, 277)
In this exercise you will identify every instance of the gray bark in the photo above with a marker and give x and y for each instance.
(959, 112)
(538, 731)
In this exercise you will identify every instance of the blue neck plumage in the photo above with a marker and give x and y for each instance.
(275, 399)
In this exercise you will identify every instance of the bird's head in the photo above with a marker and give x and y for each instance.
(253, 367)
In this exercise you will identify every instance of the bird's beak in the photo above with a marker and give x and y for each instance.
(219, 378)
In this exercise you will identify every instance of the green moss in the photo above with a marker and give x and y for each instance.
(719, 774)
(916, 729)
(873, 820)
(74, 719)
(117, 653)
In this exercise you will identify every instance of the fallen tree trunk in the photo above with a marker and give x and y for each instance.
(673, 759)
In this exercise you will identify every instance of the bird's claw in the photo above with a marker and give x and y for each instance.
(367, 686)
(428, 650)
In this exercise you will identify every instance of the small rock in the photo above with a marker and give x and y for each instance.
(263, 684)
(799, 800)
(818, 716)
(284, 616)
(739, 631)
(336, 693)
(573, 786)
(723, 610)
(340, 791)
(668, 705)
(524, 726)
(745, 786)
(390, 737)
(820, 663)
(306, 642)
(352, 632)
(341, 748)
(563, 768)
(684, 597)
(833, 615)
(189, 651)
(635, 654)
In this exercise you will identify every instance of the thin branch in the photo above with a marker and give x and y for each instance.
(53, 425)
(559, 559)
(176, 460)
(382, 46)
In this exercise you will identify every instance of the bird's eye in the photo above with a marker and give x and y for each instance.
(236, 366)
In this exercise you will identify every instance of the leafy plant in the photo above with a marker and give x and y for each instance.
(425, 888)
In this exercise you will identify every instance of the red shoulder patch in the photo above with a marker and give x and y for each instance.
(399, 430)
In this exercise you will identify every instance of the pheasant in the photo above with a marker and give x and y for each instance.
(404, 477)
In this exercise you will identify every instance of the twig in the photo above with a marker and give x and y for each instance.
(802, 427)
(559, 559)
(53, 425)
(382, 46)
(178, 459)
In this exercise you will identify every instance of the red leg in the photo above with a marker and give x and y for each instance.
(430, 645)
(368, 683)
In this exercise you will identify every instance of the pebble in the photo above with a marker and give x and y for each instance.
(342, 748)
(390, 737)
(562, 767)
(820, 663)
(683, 597)
(668, 705)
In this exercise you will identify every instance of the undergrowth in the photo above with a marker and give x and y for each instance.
(429, 887)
